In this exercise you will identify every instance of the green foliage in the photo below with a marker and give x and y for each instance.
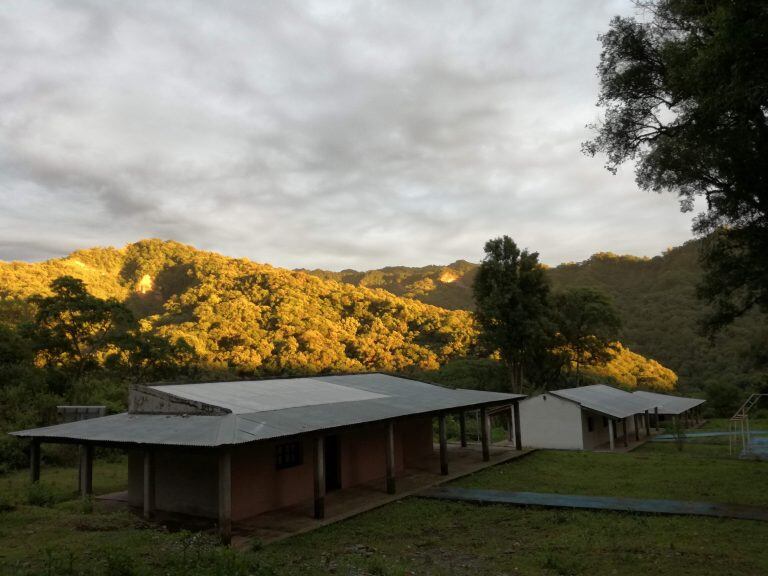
(660, 312)
(511, 305)
(685, 94)
(72, 329)
(723, 399)
(587, 326)
(628, 370)
(39, 494)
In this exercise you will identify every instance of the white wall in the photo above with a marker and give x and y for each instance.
(547, 421)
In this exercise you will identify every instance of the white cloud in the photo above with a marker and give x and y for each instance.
(325, 134)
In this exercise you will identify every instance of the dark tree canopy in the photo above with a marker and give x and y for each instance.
(511, 294)
(73, 330)
(685, 93)
(587, 325)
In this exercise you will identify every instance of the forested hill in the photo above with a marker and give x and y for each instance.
(656, 298)
(251, 318)
(241, 318)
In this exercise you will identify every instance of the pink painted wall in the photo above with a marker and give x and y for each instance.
(186, 480)
(257, 486)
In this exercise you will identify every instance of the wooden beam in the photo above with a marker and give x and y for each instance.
(86, 470)
(647, 420)
(624, 431)
(443, 445)
(34, 460)
(225, 495)
(485, 422)
(463, 428)
(611, 431)
(390, 432)
(319, 478)
(637, 427)
(518, 426)
(149, 483)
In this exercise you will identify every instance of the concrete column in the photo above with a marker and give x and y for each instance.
(518, 436)
(611, 432)
(463, 428)
(390, 457)
(149, 483)
(319, 478)
(656, 418)
(443, 445)
(647, 420)
(485, 422)
(637, 427)
(225, 495)
(34, 460)
(624, 431)
(86, 470)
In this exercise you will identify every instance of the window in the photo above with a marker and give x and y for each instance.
(590, 424)
(288, 455)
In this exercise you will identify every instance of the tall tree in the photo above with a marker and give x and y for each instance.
(685, 92)
(510, 292)
(73, 330)
(588, 326)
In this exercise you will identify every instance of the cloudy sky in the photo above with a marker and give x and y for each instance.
(313, 134)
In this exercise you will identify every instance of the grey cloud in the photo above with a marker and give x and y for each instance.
(313, 134)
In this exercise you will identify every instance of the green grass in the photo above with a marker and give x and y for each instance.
(721, 424)
(655, 470)
(61, 482)
(441, 538)
(67, 537)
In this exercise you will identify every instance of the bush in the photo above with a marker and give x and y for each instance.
(43, 495)
(12, 454)
(5, 504)
(723, 399)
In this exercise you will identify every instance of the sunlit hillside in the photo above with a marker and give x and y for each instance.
(252, 318)
(656, 298)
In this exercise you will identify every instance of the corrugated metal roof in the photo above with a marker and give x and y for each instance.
(669, 404)
(246, 396)
(367, 398)
(607, 400)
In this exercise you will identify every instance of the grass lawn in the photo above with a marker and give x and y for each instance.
(655, 470)
(68, 537)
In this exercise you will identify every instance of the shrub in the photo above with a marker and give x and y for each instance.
(42, 495)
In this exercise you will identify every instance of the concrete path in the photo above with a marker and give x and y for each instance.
(679, 507)
(668, 437)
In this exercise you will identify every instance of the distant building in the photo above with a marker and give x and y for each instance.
(232, 450)
(585, 418)
(671, 407)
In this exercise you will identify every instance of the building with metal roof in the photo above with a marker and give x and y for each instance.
(673, 405)
(585, 418)
(231, 450)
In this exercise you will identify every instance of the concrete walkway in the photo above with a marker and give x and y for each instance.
(712, 434)
(678, 507)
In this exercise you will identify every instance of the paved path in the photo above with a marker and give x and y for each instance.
(663, 437)
(597, 503)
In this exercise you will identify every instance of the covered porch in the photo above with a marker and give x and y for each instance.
(345, 503)
(325, 503)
